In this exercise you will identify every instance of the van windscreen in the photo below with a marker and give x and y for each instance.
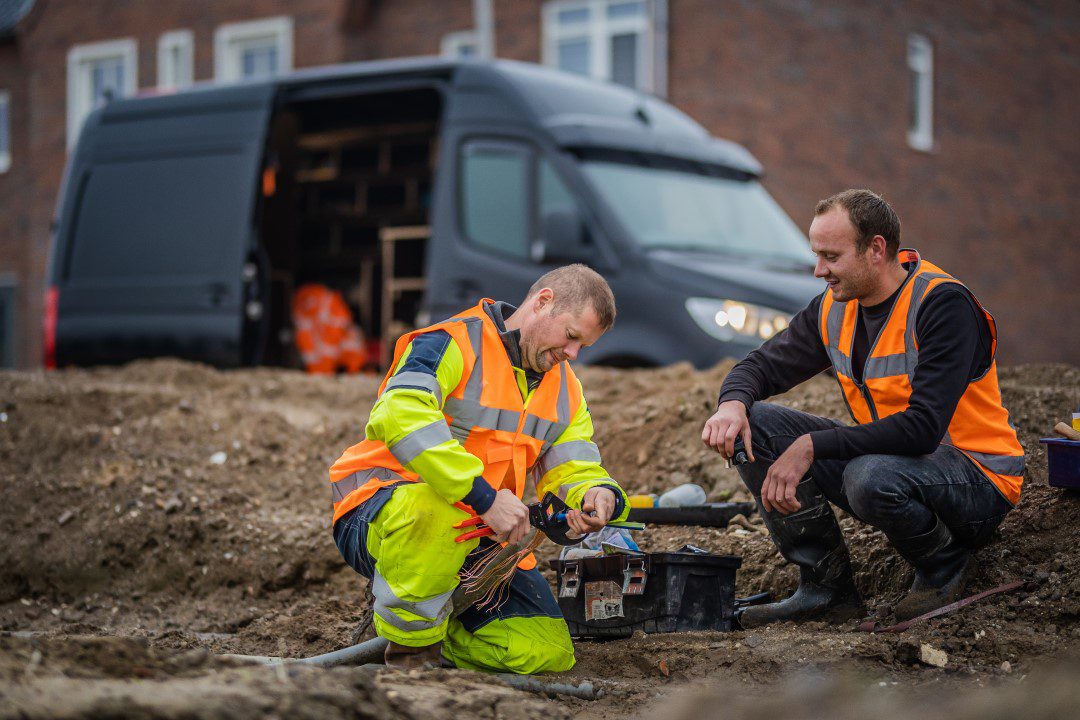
(674, 208)
(161, 216)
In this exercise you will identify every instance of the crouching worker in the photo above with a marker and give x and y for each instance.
(470, 408)
(931, 461)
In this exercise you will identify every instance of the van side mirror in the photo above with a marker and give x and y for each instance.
(562, 238)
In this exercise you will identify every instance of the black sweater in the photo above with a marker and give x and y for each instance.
(954, 349)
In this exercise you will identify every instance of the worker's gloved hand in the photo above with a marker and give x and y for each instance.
(728, 423)
(508, 517)
(596, 509)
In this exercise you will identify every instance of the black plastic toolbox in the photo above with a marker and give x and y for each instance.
(614, 595)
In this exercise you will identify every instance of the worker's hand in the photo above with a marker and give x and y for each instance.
(508, 517)
(728, 423)
(784, 476)
(596, 509)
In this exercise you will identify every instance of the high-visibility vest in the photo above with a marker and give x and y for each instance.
(326, 335)
(980, 425)
(485, 413)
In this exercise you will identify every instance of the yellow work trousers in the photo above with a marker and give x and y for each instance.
(406, 542)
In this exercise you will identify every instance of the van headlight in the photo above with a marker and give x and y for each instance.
(724, 319)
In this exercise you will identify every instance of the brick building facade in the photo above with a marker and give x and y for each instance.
(964, 115)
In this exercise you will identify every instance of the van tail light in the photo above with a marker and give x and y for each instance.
(52, 303)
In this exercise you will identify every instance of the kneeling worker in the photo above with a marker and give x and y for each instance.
(932, 460)
(470, 408)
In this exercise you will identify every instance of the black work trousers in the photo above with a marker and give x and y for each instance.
(901, 495)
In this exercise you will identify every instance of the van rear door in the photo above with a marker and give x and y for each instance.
(156, 225)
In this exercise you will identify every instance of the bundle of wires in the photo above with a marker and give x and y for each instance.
(486, 583)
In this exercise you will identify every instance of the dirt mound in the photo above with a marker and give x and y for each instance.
(95, 677)
(167, 508)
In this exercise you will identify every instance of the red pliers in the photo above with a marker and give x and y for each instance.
(481, 530)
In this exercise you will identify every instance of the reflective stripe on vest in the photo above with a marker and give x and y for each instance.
(434, 610)
(340, 490)
(565, 488)
(420, 440)
(416, 380)
(979, 421)
(580, 450)
(468, 412)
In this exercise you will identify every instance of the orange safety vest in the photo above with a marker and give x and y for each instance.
(326, 335)
(485, 413)
(980, 425)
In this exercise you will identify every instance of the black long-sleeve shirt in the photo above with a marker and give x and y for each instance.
(954, 349)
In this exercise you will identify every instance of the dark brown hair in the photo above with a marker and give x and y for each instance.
(870, 215)
(574, 286)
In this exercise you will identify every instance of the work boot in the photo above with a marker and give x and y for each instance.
(407, 657)
(810, 538)
(943, 568)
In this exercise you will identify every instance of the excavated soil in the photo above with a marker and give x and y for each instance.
(160, 515)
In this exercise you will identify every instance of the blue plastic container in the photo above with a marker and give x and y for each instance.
(1063, 462)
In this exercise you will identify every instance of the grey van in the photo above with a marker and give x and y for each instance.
(414, 187)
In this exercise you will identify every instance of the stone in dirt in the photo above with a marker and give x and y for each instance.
(929, 655)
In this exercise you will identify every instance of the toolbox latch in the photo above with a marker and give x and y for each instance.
(634, 576)
(570, 580)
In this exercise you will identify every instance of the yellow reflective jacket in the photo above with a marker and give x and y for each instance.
(465, 422)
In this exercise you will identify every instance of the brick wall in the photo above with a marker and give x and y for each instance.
(818, 91)
(14, 263)
(406, 28)
(45, 37)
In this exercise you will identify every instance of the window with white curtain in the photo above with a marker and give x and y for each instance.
(253, 50)
(176, 59)
(602, 39)
(97, 72)
(920, 61)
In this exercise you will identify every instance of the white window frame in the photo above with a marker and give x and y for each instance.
(599, 29)
(920, 62)
(5, 140)
(451, 44)
(228, 36)
(173, 75)
(79, 103)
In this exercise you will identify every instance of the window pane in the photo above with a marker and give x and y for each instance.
(106, 79)
(496, 208)
(618, 11)
(258, 61)
(624, 69)
(913, 119)
(570, 17)
(554, 195)
(574, 56)
(676, 209)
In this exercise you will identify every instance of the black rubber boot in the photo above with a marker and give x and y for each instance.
(943, 568)
(810, 538)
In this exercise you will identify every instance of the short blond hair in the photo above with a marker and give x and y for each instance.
(576, 286)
